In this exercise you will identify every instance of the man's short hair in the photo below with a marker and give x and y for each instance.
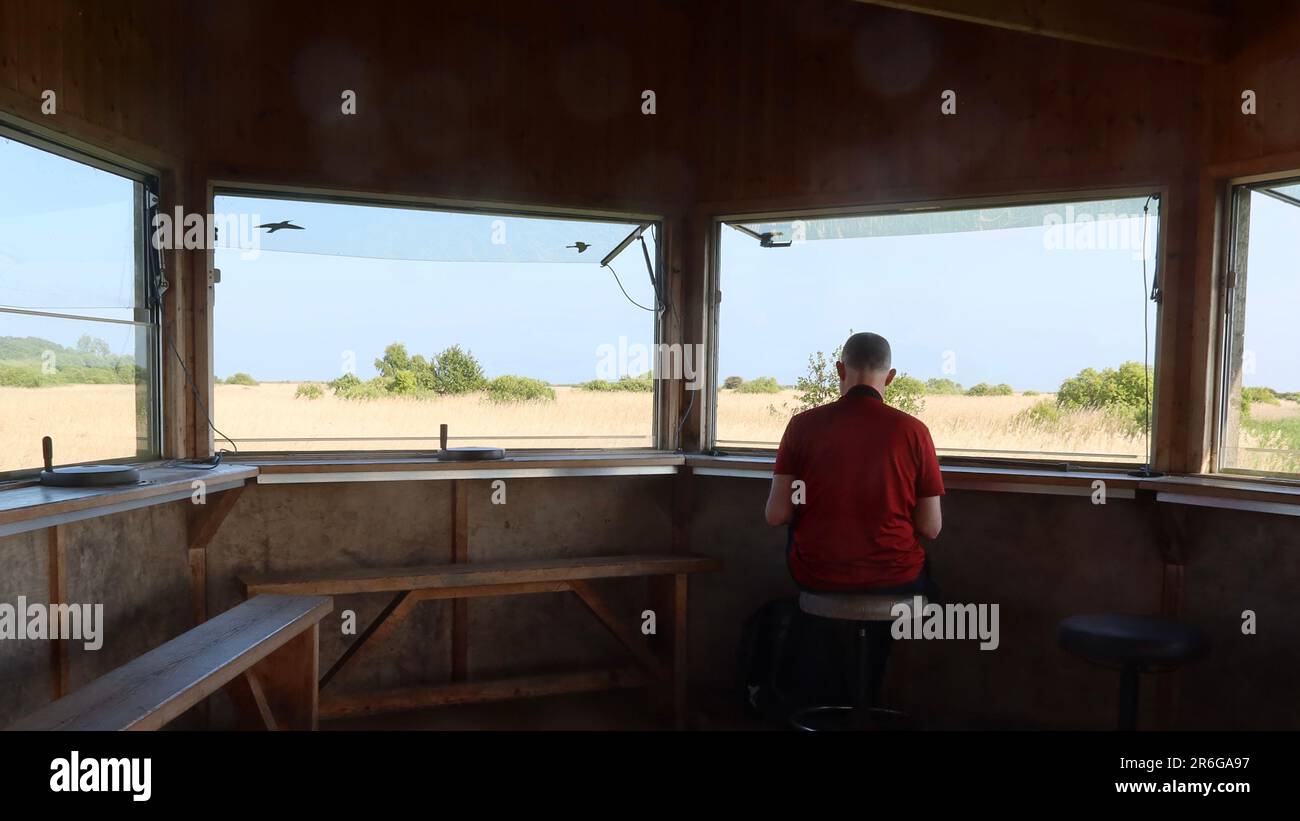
(866, 352)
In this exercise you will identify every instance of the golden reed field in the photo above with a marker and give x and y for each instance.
(91, 422)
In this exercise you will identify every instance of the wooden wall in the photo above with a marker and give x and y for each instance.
(761, 104)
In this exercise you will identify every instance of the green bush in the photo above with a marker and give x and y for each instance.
(821, 384)
(19, 376)
(308, 390)
(456, 372)
(763, 384)
(1044, 414)
(636, 384)
(241, 378)
(350, 386)
(732, 383)
(1029, 393)
(943, 387)
(906, 393)
(1123, 391)
(985, 389)
(511, 389)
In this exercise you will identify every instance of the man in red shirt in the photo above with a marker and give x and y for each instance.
(860, 481)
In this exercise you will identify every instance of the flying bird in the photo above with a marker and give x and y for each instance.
(581, 246)
(272, 227)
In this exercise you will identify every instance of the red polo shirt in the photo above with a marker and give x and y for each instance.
(864, 466)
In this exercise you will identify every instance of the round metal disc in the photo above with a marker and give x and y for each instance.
(470, 454)
(90, 476)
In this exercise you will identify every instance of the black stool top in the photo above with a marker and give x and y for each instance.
(1120, 639)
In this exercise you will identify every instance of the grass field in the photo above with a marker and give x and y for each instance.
(91, 422)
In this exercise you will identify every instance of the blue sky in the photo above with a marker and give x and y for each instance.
(1002, 305)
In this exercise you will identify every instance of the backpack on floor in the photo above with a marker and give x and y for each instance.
(765, 664)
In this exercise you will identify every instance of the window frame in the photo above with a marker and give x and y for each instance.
(149, 267)
(1226, 290)
(305, 193)
(899, 207)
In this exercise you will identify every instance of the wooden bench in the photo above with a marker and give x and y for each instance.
(265, 648)
(661, 657)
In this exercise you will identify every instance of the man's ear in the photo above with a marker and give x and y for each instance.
(892, 373)
(839, 369)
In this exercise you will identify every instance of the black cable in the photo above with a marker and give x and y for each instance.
(197, 398)
(689, 407)
(624, 290)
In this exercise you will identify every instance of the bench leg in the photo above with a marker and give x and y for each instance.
(668, 594)
(287, 679)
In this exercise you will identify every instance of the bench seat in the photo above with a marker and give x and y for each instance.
(153, 689)
(476, 574)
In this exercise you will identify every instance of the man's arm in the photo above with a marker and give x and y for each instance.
(927, 518)
(780, 500)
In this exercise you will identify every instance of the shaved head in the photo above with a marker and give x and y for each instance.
(867, 352)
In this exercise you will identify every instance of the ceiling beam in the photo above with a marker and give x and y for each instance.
(1139, 26)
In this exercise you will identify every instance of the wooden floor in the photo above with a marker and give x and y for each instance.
(610, 710)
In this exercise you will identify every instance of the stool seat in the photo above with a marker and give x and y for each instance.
(855, 606)
(1124, 640)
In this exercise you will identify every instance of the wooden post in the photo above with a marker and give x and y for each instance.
(58, 578)
(668, 594)
(286, 680)
(460, 555)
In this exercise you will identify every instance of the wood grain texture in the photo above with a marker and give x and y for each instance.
(381, 580)
(153, 689)
(28, 502)
(412, 698)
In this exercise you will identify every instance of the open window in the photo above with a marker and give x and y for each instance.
(346, 324)
(1259, 412)
(1020, 332)
(79, 314)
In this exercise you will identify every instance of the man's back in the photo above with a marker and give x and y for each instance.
(864, 466)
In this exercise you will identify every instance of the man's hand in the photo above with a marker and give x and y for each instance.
(780, 500)
(927, 518)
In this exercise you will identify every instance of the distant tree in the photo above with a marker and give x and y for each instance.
(732, 383)
(985, 389)
(943, 387)
(93, 346)
(456, 371)
(762, 384)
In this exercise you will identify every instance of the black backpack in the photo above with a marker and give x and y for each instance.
(768, 645)
(789, 660)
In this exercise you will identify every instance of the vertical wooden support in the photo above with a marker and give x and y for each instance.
(58, 577)
(205, 520)
(460, 555)
(668, 593)
(1171, 523)
(681, 509)
(282, 686)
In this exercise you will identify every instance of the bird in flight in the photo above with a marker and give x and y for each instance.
(581, 246)
(272, 227)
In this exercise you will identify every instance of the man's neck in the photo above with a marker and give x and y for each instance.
(878, 388)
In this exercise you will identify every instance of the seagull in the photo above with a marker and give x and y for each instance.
(581, 246)
(272, 227)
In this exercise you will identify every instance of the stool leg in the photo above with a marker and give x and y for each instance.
(1128, 697)
(862, 680)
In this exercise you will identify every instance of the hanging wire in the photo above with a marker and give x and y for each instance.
(624, 290)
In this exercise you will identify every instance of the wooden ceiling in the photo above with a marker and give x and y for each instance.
(1195, 31)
